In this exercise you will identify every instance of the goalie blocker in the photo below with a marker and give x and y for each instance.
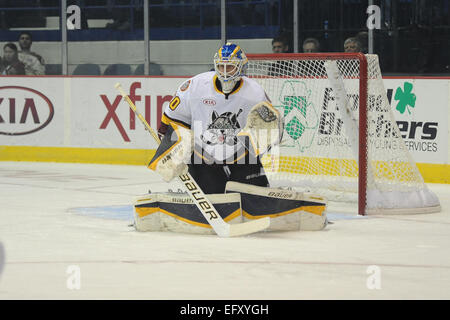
(173, 154)
(288, 210)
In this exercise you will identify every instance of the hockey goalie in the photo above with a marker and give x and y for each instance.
(216, 127)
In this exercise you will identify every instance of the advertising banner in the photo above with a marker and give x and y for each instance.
(88, 112)
(85, 112)
(421, 109)
(31, 111)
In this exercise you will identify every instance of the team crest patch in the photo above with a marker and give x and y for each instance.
(185, 85)
(222, 129)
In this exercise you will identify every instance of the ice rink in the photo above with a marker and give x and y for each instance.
(60, 223)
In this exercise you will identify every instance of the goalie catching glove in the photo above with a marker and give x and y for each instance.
(174, 152)
(264, 129)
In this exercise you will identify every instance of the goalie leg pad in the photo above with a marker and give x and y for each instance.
(289, 210)
(176, 212)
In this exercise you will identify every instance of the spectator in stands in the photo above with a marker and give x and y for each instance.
(34, 63)
(352, 45)
(280, 45)
(311, 45)
(11, 63)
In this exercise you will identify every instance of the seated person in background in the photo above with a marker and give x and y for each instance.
(352, 44)
(11, 62)
(34, 64)
(279, 45)
(311, 45)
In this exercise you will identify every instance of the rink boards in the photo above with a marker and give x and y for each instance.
(84, 119)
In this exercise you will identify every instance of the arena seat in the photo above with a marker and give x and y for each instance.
(118, 70)
(155, 70)
(87, 69)
(53, 69)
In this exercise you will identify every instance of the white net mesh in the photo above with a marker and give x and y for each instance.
(320, 144)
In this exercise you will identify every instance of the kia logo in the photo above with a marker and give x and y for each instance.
(209, 102)
(23, 110)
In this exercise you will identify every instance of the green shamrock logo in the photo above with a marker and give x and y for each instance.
(405, 98)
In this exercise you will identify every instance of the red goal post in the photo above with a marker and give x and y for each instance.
(325, 81)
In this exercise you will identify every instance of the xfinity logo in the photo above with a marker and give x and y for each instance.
(23, 110)
(112, 104)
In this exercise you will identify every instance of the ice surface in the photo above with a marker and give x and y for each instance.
(54, 216)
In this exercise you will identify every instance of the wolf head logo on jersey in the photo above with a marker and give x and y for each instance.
(223, 129)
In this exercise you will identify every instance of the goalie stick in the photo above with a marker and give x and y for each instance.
(222, 228)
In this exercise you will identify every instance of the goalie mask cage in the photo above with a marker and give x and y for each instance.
(340, 137)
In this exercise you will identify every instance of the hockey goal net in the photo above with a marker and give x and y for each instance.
(340, 137)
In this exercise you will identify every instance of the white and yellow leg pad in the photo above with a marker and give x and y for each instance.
(177, 213)
(289, 210)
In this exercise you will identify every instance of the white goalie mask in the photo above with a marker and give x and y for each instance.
(230, 64)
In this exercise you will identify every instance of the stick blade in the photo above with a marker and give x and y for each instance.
(242, 229)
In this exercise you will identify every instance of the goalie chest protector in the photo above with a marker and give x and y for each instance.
(214, 117)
